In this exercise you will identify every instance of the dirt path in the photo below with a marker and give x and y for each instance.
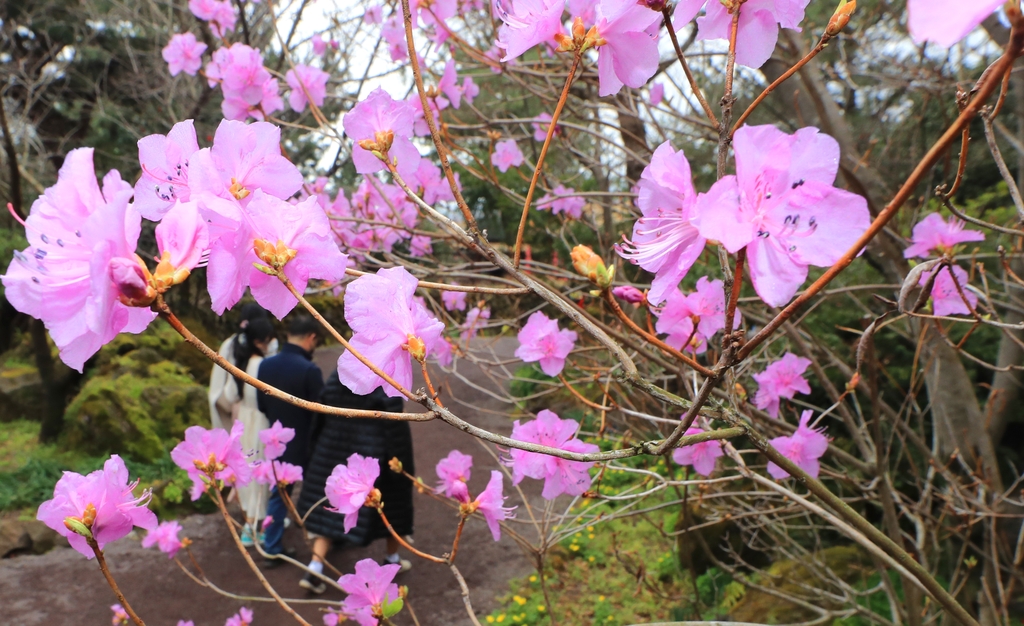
(61, 587)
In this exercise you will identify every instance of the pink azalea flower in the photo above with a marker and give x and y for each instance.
(393, 32)
(782, 379)
(705, 307)
(526, 23)
(349, 485)
(490, 504)
(375, 117)
(946, 299)
(540, 127)
(120, 615)
(182, 236)
(220, 15)
(758, 28)
(244, 158)
(319, 45)
(657, 94)
(368, 590)
(454, 300)
(242, 618)
(449, 86)
(164, 160)
(217, 450)
(373, 14)
(240, 72)
(540, 340)
(701, 456)
(563, 200)
(630, 54)
(946, 22)
(935, 233)
(275, 440)
(782, 206)
(584, 9)
(506, 154)
(274, 472)
(183, 54)
(437, 104)
(333, 618)
(81, 240)
(804, 447)
(469, 89)
(559, 475)
(665, 242)
(475, 319)
(305, 230)
(166, 537)
(454, 471)
(182, 622)
(383, 315)
(104, 495)
(315, 81)
(420, 245)
(433, 184)
(629, 293)
(234, 108)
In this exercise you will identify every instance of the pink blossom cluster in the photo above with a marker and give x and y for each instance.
(541, 341)
(274, 472)
(349, 485)
(164, 536)
(242, 618)
(183, 54)
(701, 456)
(102, 502)
(249, 89)
(377, 217)
(369, 589)
(454, 472)
(275, 439)
(689, 321)
(386, 320)
(780, 205)
(562, 200)
(946, 22)
(946, 298)
(220, 14)
(216, 452)
(757, 30)
(475, 320)
(506, 155)
(781, 379)
(559, 475)
(804, 447)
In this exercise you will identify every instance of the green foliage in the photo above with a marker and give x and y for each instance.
(138, 408)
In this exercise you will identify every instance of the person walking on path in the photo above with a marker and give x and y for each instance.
(220, 409)
(294, 372)
(339, 438)
(248, 349)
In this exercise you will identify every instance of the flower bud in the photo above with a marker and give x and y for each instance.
(592, 266)
(373, 499)
(132, 280)
(840, 17)
(417, 349)
(76, 526)
(629, 293)
(395, 465)
(274, 255)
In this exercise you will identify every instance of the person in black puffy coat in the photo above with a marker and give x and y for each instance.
(337, 438)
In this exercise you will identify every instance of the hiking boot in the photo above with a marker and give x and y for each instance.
(313, 584)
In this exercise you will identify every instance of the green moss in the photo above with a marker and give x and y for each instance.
(139, 407)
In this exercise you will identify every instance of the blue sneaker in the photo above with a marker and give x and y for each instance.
(247, 537)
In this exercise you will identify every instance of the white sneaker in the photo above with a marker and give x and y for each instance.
(405, 564)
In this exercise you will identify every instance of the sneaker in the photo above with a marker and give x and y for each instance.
(272, 563)
(405, 563)
(313, 584)
(246, 536)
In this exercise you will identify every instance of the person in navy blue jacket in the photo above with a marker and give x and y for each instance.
(293, 371)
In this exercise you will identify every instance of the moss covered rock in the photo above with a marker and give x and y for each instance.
(139, 405)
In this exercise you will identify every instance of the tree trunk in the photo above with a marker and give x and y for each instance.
(53, 411)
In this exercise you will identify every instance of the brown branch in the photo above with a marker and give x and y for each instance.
(102, 561)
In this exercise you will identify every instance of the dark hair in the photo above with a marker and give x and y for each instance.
(251, 311)
(301, 325)
(244, 346)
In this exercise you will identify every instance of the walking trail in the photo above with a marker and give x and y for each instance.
(62, 587)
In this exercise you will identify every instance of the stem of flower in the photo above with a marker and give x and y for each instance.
(102, 561)
(165, 312)
(607, 295)
(465, 594)
(543, 153)
(248, 559)
(879, 538)
(455, 543)
(404, 543)
(430, 385)
(580, 397)
(778, 81)
(497, 291)
(694, 87)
